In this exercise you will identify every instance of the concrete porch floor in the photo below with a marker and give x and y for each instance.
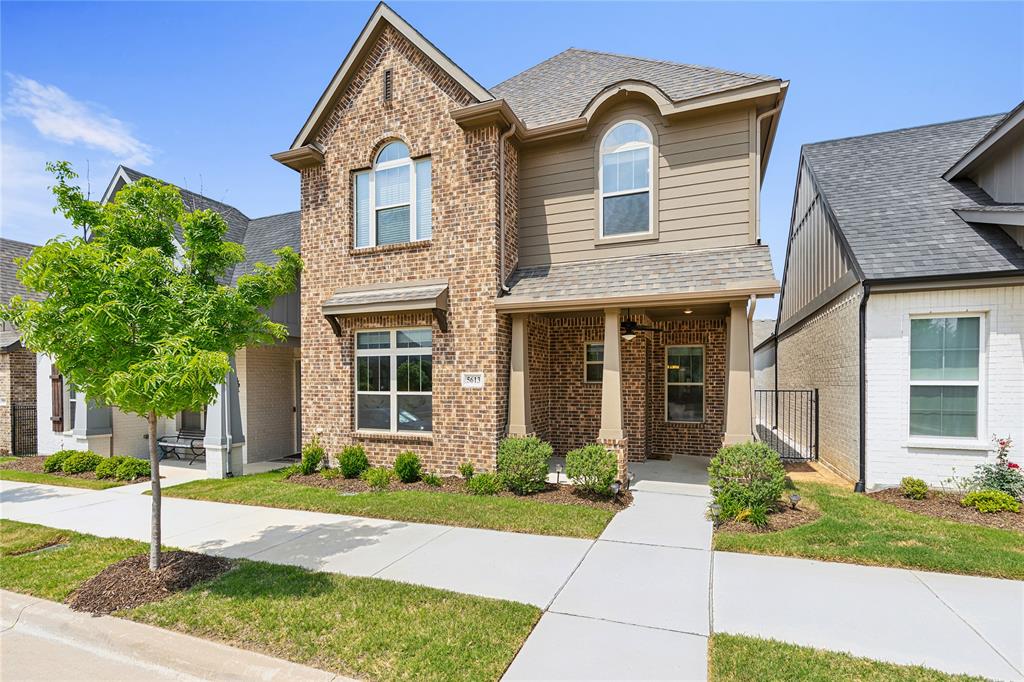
(181, 471)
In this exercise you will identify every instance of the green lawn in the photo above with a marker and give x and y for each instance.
(363, 627)
(732, 658)
(497, 513)
(51, 479)
(856, 529)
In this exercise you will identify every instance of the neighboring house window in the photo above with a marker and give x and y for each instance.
(394, 377)
(945, 354)
(684, 383)
(626, 168)
(392, 201)
(593, 363)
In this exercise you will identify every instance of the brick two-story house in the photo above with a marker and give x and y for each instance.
(574, 252)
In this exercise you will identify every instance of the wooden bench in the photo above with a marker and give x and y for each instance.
(189, 443)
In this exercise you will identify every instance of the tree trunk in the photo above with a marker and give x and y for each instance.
(154, 477)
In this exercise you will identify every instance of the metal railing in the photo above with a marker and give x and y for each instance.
(23, 429)
(787, 420)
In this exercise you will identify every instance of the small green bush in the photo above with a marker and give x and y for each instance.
(593, 468)
(378, 478)
(132, 468)
(81, 462)
(991, 501)
(328, 474)
(108, 467)
(407, 467)
(523, 464)
(913, 488)
(484, 484)
(55, 462)
(746, 475)
(432, 479)
(352, 461)
(466, 470)
(313, 455)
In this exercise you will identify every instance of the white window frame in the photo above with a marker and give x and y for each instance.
(392, 352)
(702, 384)
(372, 200)
(965, 442)
(602, 195)
(587, 362)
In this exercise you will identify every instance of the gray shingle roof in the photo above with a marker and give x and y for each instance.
(680, 273)
(761, 330)
(560, 88)
(896, 211)
(10, 286)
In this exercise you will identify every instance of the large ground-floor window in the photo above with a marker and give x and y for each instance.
(394, 379)
(945, 358)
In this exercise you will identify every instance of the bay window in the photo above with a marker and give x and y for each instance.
(684, 384)
(945, 358)
(394, 380)
(393, 199)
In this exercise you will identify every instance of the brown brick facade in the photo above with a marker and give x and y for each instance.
(467, 423)
(18, 388)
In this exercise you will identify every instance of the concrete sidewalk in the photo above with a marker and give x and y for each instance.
(43, 640)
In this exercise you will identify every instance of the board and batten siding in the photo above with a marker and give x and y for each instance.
(817, 267)
(1003, 176)
(703, 190)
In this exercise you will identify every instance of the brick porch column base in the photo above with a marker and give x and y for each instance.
(620, 446)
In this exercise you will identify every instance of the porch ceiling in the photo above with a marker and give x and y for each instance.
(646, 280)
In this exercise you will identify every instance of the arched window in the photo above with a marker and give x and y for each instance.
(627, 165)
(392, 200)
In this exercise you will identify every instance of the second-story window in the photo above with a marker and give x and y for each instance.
(392, 200)
(626, 168)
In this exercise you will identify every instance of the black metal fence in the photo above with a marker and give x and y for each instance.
(23, 429)
(787, 420)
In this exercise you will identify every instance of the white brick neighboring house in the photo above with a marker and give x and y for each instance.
(903, 298)
(255, 418)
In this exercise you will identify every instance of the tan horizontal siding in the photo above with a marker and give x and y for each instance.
(704, 179)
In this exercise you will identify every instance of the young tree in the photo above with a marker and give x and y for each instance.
(135, 320)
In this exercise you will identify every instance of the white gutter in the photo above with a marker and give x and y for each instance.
(757, 170)
(501, 206)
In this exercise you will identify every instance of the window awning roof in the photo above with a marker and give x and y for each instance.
(416, 295)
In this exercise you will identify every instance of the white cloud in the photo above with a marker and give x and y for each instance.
(26, 204)
(59, 116)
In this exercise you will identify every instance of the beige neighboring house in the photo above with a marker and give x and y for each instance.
(903, 297)
(256, 417)
(17, 363)
(574, 252)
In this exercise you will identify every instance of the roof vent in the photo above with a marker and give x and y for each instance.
(387, 85)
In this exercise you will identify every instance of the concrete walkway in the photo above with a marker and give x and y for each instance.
(43, 640)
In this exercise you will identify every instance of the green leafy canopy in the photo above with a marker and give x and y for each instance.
(134, 318)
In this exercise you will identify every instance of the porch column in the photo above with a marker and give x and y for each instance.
(519, 380)
(611, 380)
(93, 427)
(739, 390)
(224, 438)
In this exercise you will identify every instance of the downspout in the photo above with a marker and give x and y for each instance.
(751, 306)
(501, 207)
(861, 485)
(757, 170)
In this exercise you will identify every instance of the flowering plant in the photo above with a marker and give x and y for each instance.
(1002, 474)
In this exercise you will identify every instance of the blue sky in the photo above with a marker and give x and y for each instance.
(200, 94)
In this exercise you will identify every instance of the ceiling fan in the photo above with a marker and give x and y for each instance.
(629, 328)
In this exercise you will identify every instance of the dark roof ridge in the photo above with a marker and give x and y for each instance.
(712, 69)
(186, 189)
(275, 215)
(881, 133)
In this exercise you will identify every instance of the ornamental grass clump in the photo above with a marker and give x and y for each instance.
(313, 454)
(378, 478)
(746, 476)
(484, 484)
(592, 468)
(523, 464)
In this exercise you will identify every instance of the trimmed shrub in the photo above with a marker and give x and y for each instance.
(746, 475)
(484, 484)
(523, 464)
(108, 467)
(81, 462)
(55, 462)
(313, 455)
(131, 468)
(432, 479)
(913, 488)
(328, 474)
(991, 501)
(407, 467)
(378, 478)
(466, 470)
(593, 468)
(352, 461)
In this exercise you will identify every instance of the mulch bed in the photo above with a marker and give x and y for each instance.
(35, 464)
(945, 505)
(553, 494)
(130, 583)
(783, 518)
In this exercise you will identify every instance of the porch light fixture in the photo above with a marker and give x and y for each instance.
(558, 473)
(794, 499)
(629, 336)
(687, 311)
(716, 512)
